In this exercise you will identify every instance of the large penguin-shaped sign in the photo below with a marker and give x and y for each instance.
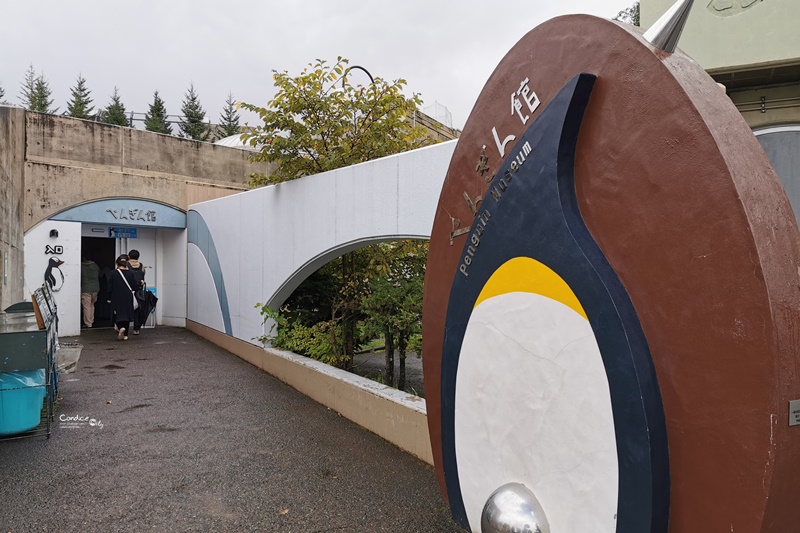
(612, 300)
(539, 325)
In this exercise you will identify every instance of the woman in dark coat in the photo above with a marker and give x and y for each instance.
(121, 297)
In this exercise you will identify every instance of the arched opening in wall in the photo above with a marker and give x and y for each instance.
(782, 146)
(75, 250)
(361, 311)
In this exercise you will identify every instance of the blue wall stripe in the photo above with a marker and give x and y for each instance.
(200, 236)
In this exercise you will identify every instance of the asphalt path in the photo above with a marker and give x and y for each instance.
(188, 437)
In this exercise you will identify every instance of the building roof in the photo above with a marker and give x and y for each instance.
(235, 141)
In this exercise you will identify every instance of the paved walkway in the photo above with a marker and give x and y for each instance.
(195, 439)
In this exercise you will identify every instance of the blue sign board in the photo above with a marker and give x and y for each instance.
(122, 233)
(127, 211)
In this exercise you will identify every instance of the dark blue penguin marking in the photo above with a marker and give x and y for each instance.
(53, 264)
(531, 210)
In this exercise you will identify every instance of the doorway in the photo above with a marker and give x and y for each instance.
(101, 250)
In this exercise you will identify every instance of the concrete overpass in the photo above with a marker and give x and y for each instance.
(80, 180)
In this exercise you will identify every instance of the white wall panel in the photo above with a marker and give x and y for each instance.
(203, 305)
(37, 256)
(172, 278)
(229, 239)
(268, 240)
(250, 279)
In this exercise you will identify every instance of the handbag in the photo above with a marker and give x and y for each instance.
(133, 293)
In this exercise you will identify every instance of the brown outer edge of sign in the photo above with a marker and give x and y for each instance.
(680, 197)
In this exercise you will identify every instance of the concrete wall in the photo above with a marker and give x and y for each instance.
(720, 34)
(436, 130)
(780, 105)
(12, 155)
(71, 161)
(51, 163)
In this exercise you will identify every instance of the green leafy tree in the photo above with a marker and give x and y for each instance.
(292, 334)
(228, 119)
(392, 306)
(629, 15)
(318, 121)
(115, 112)
(193, 124)
(321, 313)
(156, 117)
(379, 286)
(80, 103)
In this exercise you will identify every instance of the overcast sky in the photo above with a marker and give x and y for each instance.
(445, 49)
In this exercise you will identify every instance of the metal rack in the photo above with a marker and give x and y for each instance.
(28, 341)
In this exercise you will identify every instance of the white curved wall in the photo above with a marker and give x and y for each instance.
(203, 302)
(268, 240)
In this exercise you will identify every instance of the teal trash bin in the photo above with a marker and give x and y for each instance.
(21, 397)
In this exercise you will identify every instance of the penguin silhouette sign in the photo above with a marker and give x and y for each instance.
(53, 275)
(611, 294)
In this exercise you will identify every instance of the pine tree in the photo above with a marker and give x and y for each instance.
(2, 94)
(156, 118)
(115, 112)
(229, 119)
(28, 88)
(40, 100)
(80, 104)
(193, 124)
(35, 93)
(629, 15)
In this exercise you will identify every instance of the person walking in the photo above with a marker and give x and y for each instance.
(90, 286)
(122, 287)
(137, 269)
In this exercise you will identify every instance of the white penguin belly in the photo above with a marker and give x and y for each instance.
(532, 406)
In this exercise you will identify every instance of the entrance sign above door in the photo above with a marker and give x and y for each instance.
(127, 211)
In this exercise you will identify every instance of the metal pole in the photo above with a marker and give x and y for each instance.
(371, 79)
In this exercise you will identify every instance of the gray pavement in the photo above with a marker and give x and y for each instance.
(195, 439)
